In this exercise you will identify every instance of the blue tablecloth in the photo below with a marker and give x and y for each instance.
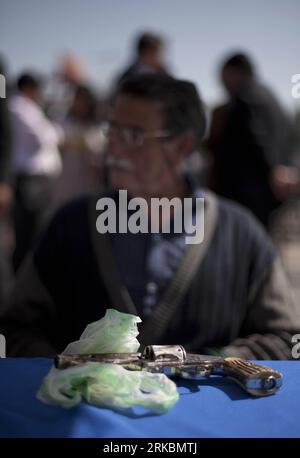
(209, 408)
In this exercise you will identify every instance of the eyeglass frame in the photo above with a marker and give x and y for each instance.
(144, 135)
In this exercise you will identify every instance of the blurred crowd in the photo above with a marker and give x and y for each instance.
(53, 146)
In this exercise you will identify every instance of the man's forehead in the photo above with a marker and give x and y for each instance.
(137, 111)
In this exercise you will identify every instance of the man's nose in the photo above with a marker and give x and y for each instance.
(118, 147)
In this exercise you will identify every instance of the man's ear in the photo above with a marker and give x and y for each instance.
(183, 145)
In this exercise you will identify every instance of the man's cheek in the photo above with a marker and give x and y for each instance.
(148, 170)
(118, 179)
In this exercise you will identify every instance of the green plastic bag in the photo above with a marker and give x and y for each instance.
(108, 385)
(115, 333)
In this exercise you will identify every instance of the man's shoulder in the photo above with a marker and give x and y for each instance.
(234, 210)
(69, 227)
(242, 236)
(79, 206)
(74, 208)
(240, 221)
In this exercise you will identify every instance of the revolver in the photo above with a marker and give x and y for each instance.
(173, 360)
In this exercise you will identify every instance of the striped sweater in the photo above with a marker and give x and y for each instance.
(238, 303)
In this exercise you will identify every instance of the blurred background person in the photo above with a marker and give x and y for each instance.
(251, 140)
(6, 192)
(296, 158)
(285, 221)
(149, 56)
(35, 161)
(69, 72)
(82, 149)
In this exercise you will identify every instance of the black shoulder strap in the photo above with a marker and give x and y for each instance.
(155, 326)
(117, 292)
(152, 330)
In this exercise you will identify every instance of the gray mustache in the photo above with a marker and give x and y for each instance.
(123, 164)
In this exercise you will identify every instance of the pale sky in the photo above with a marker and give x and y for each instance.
(33, 33)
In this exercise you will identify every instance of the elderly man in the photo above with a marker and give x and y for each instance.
(227, 295)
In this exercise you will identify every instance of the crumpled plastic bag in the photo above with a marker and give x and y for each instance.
(115, 333)
(108, 385)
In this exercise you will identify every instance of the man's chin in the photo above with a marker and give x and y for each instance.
(125, 181)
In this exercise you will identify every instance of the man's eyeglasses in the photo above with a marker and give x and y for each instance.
(131, 136)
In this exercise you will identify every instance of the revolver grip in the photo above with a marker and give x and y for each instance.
(255, 379)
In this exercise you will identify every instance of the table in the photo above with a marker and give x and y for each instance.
(206, 409)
